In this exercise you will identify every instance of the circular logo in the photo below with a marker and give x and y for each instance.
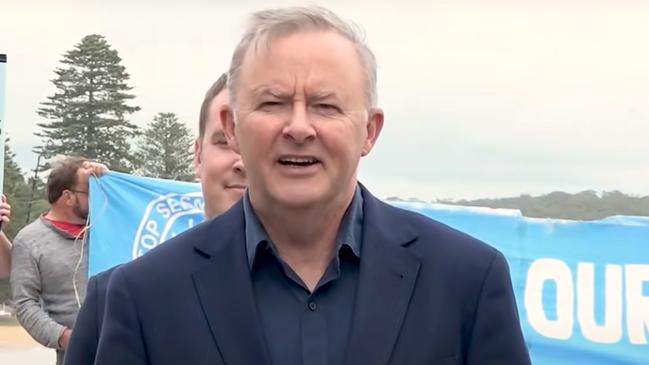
(165, 217)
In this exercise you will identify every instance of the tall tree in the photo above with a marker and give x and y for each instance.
(87, 115)
(165, 149)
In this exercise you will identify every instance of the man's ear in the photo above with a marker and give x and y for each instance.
(68, 198)
(197, 156)
(374, 127)
(226, 114)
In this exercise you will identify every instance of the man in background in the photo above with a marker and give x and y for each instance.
(49, 257)
(222, 179)
(218, 167)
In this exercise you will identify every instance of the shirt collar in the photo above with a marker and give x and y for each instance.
(349, 233)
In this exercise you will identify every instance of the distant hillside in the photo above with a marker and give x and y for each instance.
(587, 205)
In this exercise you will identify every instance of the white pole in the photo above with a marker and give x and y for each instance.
(3, 65)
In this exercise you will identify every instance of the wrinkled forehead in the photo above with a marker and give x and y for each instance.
(264, 46)
(322, 61)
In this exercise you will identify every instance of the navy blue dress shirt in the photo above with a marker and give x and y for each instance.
(303, 327)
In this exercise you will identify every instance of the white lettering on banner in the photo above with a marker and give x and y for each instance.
(163, 209)
(166, 216)
(611, 330)
(637, 312)
(539, 272)
(172, 205)
(615, 288)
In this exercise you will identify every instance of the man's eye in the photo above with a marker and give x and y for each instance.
(327, 108)
(266, 105)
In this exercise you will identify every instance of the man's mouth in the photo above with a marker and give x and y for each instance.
(298, 161)
(236, 186)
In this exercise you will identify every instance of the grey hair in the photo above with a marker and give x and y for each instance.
(265, 25)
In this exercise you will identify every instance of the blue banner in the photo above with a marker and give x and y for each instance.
(582, 287)
(129, 215)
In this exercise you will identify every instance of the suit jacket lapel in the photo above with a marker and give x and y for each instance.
(225, 291)
(387, 278)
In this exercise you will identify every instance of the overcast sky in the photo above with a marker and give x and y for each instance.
(482, 98)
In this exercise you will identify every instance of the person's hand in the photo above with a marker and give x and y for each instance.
(95, 168)
(5, 210)
(64, 340)
(91, 168)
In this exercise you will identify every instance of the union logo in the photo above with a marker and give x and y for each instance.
(165, 217)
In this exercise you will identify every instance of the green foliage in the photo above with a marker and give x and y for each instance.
(19, 195)
(86, 116)
(165, 149)
(586, 205)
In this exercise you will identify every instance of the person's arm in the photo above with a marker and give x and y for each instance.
(497, 338)
(5, 256)
(5, 244)
(26, 289)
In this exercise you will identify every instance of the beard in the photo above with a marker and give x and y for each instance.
(80, 212)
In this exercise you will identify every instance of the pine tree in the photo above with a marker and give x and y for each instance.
(165, 149)
(87, 115)
(19, 195)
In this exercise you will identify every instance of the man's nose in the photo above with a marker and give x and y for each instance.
(298, 127)
(238, 166)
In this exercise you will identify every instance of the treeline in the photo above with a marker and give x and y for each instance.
(586, 205)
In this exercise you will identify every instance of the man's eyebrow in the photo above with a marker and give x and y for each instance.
(323, 94)
(320, 95)
(266, 90)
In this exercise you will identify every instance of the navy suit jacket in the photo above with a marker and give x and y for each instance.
(85, 337)
(427, 294)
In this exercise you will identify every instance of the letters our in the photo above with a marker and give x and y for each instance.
(626, 303)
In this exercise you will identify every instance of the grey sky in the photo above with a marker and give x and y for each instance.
(482, 98)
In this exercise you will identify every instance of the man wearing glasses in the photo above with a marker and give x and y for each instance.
(49, 257)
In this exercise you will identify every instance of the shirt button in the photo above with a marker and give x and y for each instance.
(313, 306)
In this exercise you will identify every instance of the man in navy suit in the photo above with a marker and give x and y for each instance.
(309, 267)
(222, 178)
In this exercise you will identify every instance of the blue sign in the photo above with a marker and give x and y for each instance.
(130, 215)
(582, 288)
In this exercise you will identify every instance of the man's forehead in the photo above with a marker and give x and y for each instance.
(281, 89)
(213, 118)
(265, 46)
(219, 100)
(83, 173)
(323, 66)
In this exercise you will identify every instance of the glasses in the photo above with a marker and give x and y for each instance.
(78, 191)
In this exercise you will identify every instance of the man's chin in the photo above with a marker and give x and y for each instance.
(235, 192)
(83, 215)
